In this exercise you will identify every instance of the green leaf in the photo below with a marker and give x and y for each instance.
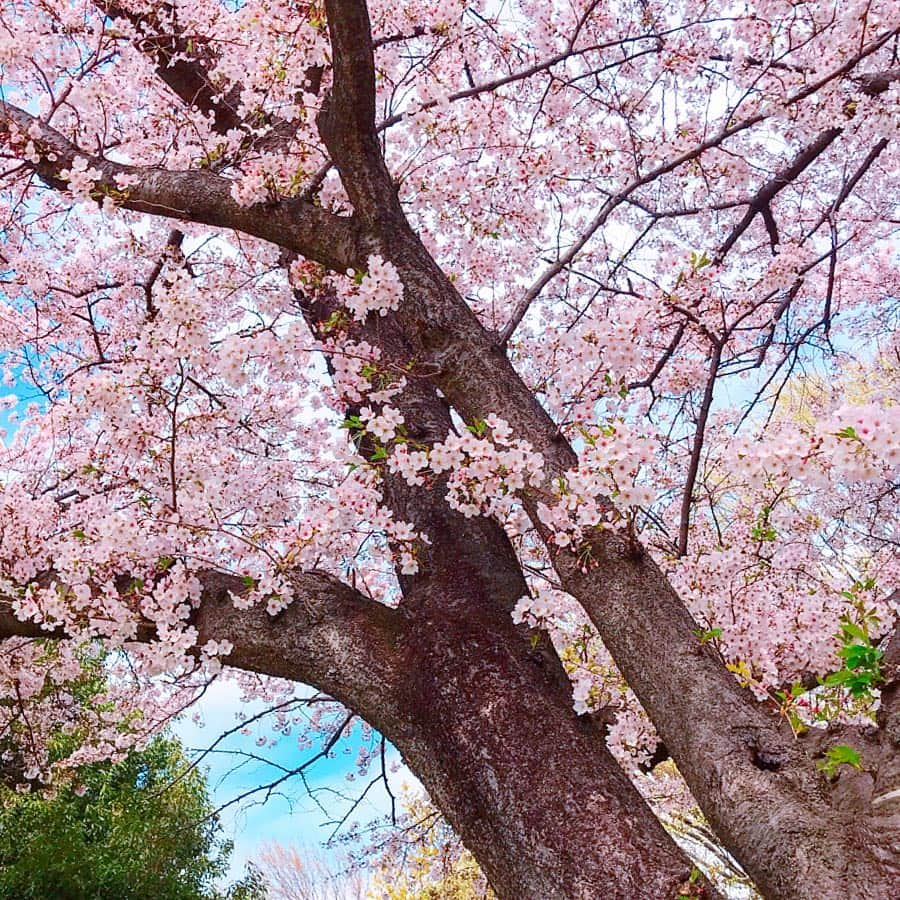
(710, 634)
(860, 656)
(857, 683)
(852, 630)
(700, 261)
(335, 320)
(840, 755)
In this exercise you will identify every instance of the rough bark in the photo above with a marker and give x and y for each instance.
(759, 788)
(527, 784)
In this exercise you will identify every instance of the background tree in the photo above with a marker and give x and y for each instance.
(456, 382)
(425, 860)
(290, 873)
(251, 887)
(142, 827)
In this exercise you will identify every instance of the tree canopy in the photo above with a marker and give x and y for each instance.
(522, 376)
(142, 827)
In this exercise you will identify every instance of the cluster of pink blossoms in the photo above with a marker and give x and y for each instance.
(378, 289)
(81, 177)
(606, 486)
(485, 472)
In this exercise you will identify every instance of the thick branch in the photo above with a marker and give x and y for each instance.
(188, 78)
(183, 65)
(458, 606)
(195, 196)
(761, 200)
(347, 120)
(644, 624)
(331, 637)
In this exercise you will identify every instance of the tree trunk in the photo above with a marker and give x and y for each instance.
(526, 783)
(486, 717)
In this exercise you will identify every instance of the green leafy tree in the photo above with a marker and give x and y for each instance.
(251, 887)
(140, 828)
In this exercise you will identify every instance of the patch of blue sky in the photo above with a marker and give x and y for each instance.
(301, 813)
(17, 397)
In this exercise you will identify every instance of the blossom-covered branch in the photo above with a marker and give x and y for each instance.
(332, 637)
(188, 195)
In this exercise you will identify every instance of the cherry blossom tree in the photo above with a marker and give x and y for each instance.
(447, 357)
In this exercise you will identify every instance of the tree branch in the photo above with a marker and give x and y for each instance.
(697, 449)
(188, 78)
(347, 120)
(184, 65)
(194, 195)
(331, 637)
(761, 200)
(666, 666)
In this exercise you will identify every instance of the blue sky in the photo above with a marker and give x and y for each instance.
(290, 816)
